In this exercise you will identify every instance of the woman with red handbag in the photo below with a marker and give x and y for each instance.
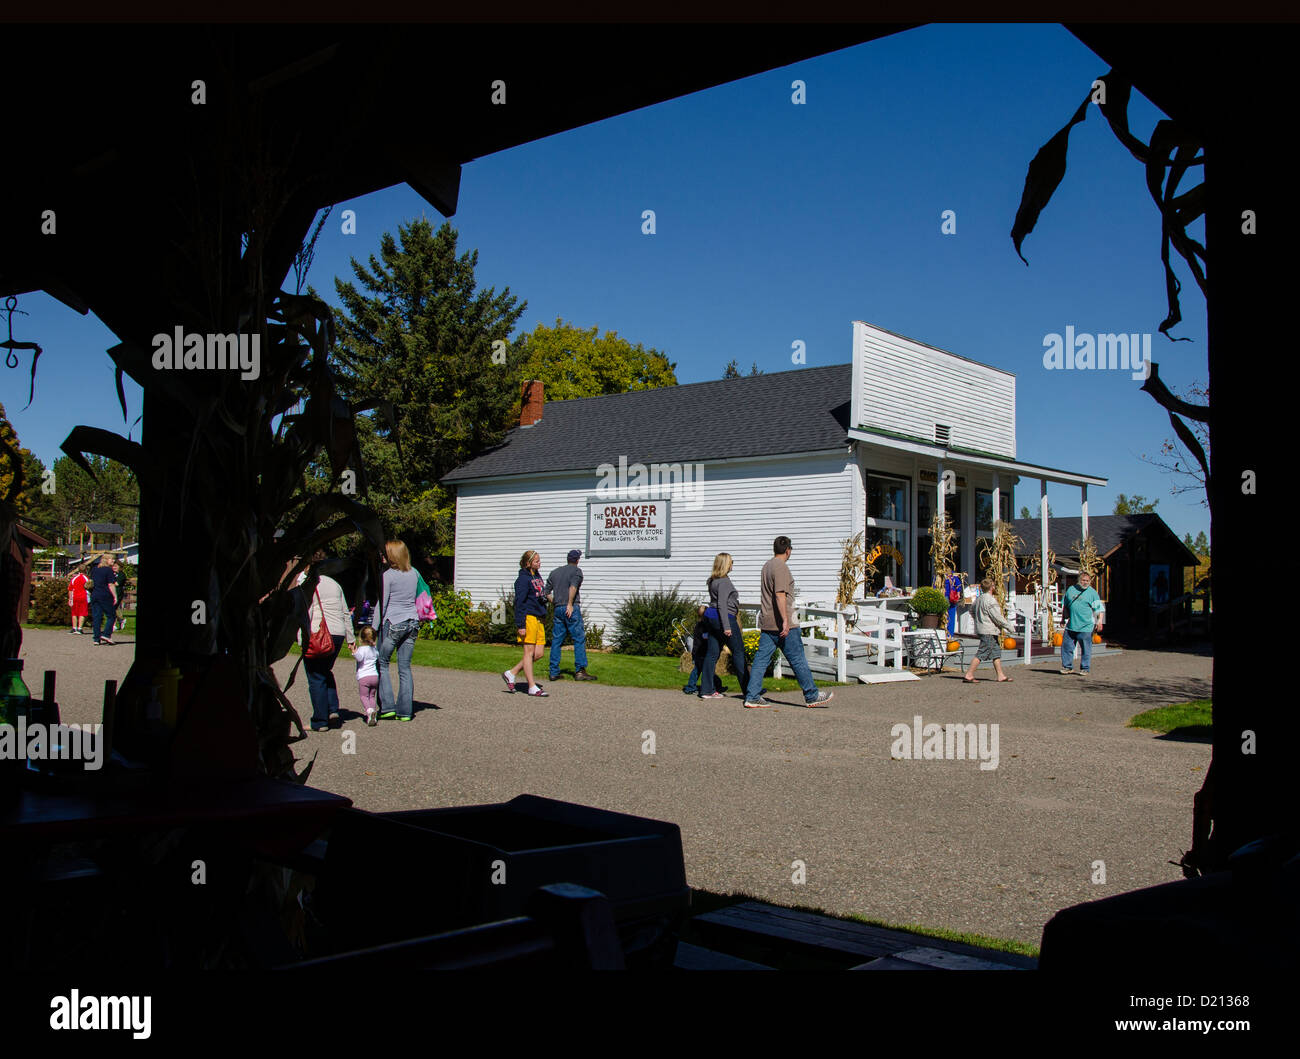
(329, 623)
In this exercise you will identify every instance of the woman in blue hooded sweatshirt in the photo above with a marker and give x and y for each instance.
(530, 617)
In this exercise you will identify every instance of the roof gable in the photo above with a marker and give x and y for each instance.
(805, 410)
(1109, 531)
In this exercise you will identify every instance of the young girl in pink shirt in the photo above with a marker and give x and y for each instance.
(367, 675)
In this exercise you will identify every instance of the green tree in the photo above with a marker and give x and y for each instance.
(1134, 505)
(112, 495)
(733, 371)
(1026, 513)
(420, 335)
(577, 362)
(33, 471)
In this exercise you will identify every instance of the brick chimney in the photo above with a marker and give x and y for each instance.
(533, 392)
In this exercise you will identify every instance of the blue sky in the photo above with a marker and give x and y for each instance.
(779, 223)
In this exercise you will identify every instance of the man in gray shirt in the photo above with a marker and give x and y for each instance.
(562, 586)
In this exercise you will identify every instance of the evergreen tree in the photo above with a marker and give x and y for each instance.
(421, 336)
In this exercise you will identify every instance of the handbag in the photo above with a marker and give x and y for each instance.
(321, 642)
(424, 600)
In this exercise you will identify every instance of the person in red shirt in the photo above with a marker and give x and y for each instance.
(78, 602)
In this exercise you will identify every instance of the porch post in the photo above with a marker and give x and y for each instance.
(1042, 554)
(1084, 490)
(942, 510)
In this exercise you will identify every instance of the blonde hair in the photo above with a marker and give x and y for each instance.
(721, 566)
(398, 554)
(366, 635)
(526, 559)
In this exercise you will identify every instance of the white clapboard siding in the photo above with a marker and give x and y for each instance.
(906, 387)
(745, 504)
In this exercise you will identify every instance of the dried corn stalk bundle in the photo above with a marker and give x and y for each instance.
(998, 556)
(850, 565)
(943, 550)
(1036, 582)
(1090, 561)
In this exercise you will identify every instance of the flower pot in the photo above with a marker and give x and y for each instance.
(929, 621)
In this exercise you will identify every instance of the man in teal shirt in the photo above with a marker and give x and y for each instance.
(1083, 611)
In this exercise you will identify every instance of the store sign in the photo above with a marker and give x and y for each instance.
(628, 527)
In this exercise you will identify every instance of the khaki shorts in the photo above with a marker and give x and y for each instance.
(534, 631)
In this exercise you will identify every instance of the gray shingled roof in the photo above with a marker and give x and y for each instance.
(1109, 531)
(103, 527)
(804, 410)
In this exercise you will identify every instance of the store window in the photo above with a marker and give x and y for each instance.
(887, 524)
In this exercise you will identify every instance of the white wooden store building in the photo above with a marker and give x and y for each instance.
(651, 485)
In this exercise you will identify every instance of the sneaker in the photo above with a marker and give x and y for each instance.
(510, 681)
(537, 692)
(372, 717)
(105, 639)
(759, 703)
(715, 695)
(1084, 673)
(401, 718)
(389, 715)
(334, 716)
(1067, 672)
(73, 631)
(823, 697)
(582, 674)
(689, 691)
(555, 676)
(323, 728)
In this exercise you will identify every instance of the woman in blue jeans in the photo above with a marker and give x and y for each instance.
(327, 604)
(397, 633)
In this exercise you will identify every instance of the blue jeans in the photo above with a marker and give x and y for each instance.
(717, 639)
(102, 612)
(791, 645)
(400, 638)
(1068, 639)
(574, 628)
(320, 685)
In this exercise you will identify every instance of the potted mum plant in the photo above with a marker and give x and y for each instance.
(929, 604)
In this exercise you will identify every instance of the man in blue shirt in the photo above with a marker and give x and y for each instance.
(1083, 612)
(103, 602)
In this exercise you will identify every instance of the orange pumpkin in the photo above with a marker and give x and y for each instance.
(954, 645)
(1096, 638)
(1057, 639)
(1009, 643)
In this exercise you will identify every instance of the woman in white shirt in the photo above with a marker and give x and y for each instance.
(328, 602)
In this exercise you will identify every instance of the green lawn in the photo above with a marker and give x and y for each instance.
(1185, 719)
(632, 671)
(707, 901)
(128, 631)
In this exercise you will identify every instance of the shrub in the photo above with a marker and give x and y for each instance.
(453, 608)
(595, 636)
(478, 624)
(645, 621)
(49, 603)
